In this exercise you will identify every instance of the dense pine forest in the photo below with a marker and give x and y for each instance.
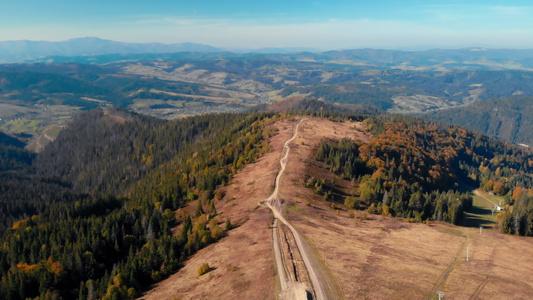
(90, 217)
(12, 154)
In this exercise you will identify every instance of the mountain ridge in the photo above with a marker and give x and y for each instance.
(21, 50)
(89, 50)
(437, 60)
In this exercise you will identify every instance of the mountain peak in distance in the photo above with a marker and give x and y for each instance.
(19, 51)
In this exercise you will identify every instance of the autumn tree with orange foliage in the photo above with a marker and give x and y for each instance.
(421, 164)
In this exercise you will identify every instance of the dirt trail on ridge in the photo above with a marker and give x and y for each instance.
(292, 289)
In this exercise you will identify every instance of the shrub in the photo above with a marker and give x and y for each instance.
(204, 269)
(156, 276)
(228, 225)
(372, 208)
(385, 210)
(231, 268)
(351, 202)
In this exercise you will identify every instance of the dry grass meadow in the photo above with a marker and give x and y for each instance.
(367, 256)
(376, 257)
(243, 261)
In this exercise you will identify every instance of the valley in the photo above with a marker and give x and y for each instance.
(172, 86)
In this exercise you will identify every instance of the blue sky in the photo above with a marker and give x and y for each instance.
(333, 24)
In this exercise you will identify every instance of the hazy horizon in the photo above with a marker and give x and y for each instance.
(320, 25)
(296, 48)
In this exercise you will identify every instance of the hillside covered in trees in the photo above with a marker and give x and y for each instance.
(509, 119)
(92, 215)
(12, 154)
(414, 169)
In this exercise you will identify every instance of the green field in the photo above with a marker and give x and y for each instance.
(481, 212)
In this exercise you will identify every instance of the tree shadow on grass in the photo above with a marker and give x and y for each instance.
(474, 221)
(476, 210)
(476, 216)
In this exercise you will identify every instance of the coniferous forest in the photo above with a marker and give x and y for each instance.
(91, 215)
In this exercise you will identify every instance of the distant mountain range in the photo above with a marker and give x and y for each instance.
(19, 51)
(99, 51)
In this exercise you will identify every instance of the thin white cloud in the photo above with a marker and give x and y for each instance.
(333, 34)
(513, 11)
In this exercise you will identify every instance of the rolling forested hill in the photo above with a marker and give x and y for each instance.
(36, 99)
(415, 169)
(96, 208)
(509, 119)
(435, 59)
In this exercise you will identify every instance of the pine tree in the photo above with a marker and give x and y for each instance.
(228, 225)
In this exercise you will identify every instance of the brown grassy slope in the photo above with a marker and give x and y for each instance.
(381, 257)
(243, 261)
(376, 258)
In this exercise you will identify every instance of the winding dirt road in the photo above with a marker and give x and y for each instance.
(290, 288)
